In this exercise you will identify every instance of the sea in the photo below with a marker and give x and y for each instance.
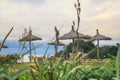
(40, 49)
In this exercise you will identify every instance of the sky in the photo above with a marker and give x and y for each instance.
(44, 15)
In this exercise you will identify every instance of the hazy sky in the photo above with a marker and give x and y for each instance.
(43, 15)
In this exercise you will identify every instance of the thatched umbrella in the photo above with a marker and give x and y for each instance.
(29, 38)
(4, 46)
(73, 35)
(98, 37)
(56, 44)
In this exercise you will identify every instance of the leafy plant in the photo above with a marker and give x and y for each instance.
(118, 65)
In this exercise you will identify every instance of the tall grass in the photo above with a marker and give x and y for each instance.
(64, 71)
(59, 70)
(118, 65)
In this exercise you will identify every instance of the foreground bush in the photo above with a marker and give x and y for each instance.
(48, 69)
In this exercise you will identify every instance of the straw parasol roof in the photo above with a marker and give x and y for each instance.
(55, 43)
(98, 36)
(30, 37)
(73, 34)
(4, 46)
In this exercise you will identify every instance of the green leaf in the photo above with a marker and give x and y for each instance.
(71, 71)
(20, 72)
(118, 64)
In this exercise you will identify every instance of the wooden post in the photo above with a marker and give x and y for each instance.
(56, 46)
(73, 40)
(97, 45)
(30, 33)
(30, 49)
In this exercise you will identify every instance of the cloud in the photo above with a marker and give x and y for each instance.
(40, 19)
(103, 15)
(31, 2)
(43, 15)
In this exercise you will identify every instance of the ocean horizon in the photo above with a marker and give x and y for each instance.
(14, 47)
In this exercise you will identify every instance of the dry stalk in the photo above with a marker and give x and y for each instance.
(78, 9)
(6, 38)
(56, 46)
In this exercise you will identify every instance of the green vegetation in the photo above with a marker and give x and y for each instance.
(88, 47)
(105, 52)
(60, 70)
(83, 46)
(118, 64)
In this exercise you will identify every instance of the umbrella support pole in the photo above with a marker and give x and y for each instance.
(56, 48)
(30, 50)
(73, 50)
(98, 51)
